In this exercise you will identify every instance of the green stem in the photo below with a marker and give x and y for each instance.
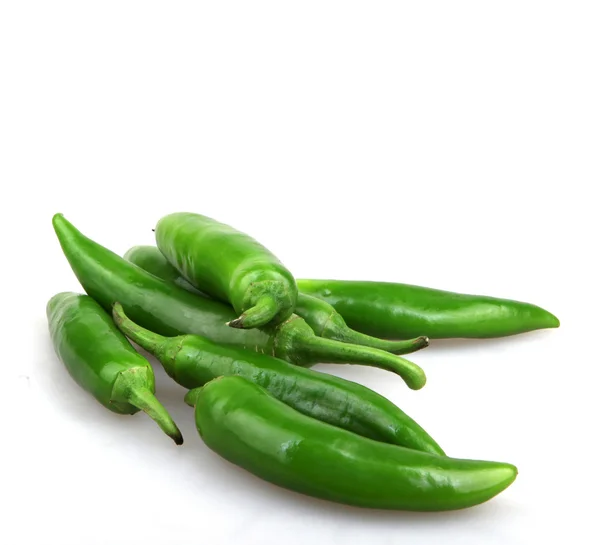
(260, 314)
(144, 399)
(191, 396)
(395, 347)
(152, 342)
(328, 323)
(132, 387)
(317, 349)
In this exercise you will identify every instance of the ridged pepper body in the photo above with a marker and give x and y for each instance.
(324, 320)
(102, 361)
(192, 361)
(167, 309)
(245, 425)
(230, 266)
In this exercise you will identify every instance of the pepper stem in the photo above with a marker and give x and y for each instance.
(395, 347)
(328, 323)
(260, 314)
(145, 400)
(191, 397)
(150, 341)
(130, 388)
(316, 349)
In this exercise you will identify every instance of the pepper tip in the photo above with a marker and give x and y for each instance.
(417, 381)
(58, 217)
(238, 323)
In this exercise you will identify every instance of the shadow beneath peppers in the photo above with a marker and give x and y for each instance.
(313, 506)
(497, 343)
(250, 492)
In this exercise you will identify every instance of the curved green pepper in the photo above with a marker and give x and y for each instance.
(245, 425)
(192, 361)
(102, 361)
(399, 311)
(229, 266)
(324, 320)
(170, 310)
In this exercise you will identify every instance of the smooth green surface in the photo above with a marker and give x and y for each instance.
(402, 311)
(170, 310)
(101, 359)
(245, 425)
(193, 361)
(324, 320)
(230, 266)
(151, 260)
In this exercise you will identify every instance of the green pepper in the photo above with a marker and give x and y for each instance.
(170, 310)
(399, 311)
(102, 361)
(327, 322)
(324, 320)
(229, 266)
(192, 361)
(240, 421)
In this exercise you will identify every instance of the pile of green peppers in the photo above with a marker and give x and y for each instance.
(229, 322)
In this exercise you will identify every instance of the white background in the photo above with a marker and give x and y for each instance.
(448, 144)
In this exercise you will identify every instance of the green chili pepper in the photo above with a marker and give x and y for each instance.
(229, 266)
(245, 425)
(398, 311)
(151, 260)
(102, 361)
(169, 310)
(324, 320)
(192, 361)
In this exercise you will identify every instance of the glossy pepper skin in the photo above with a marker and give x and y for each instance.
(398, 311)
(102, 361)
(192, 361)
(245, 425)
(324, 320)
(170, 310)
(230, 266)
